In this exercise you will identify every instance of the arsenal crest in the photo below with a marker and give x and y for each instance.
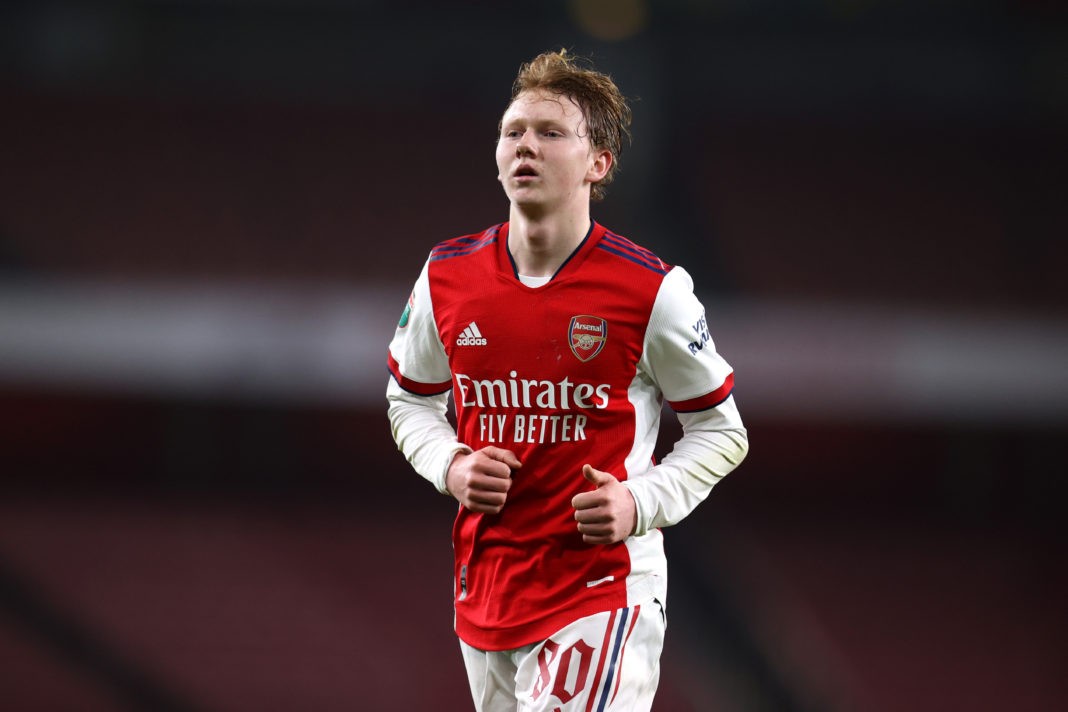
(587, 335)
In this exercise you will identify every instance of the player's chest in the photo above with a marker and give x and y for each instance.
(543, 332)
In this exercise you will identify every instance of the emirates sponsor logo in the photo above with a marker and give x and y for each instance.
(538, 411)
(515, 392)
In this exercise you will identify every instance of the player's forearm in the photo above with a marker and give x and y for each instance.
(667, 493)
(423, 433)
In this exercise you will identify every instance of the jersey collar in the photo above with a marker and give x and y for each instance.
(507, 264)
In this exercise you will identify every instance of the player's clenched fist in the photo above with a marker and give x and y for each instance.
(607, 514)
(480, 480)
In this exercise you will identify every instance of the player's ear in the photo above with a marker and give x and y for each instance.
(600, 163)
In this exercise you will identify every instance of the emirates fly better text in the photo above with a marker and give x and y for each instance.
(559, 397)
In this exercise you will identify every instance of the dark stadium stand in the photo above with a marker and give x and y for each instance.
(871, 195)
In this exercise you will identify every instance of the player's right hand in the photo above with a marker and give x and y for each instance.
(480, 480)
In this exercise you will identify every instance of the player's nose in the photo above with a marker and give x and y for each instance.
(526, 145)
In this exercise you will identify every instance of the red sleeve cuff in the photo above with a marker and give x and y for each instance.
(709, 400)
(419, 389)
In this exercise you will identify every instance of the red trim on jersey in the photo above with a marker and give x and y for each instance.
(419, 389)
(709, 400)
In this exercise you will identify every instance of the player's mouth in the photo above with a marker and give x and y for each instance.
(524, 172)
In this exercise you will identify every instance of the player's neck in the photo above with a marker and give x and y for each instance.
(539, 245)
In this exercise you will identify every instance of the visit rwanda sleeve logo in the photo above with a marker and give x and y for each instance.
(587, 335)
(407, 313)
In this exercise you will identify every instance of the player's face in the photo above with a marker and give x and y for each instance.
(544, 156)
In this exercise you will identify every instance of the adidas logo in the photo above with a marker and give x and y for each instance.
(471, 336)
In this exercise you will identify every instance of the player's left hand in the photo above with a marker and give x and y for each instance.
(607, 514)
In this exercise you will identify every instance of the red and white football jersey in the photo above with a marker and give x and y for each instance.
(568, 373)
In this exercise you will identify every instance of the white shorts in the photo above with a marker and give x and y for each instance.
(607, 661)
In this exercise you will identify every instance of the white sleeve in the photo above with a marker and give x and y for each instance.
(679, 356)
(417, 357)
(423, 433)
(418, 392)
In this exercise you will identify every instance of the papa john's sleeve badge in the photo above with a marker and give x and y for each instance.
(587, 336)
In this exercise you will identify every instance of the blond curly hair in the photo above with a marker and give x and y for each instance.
(604, 108)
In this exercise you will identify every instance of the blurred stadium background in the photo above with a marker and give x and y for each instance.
(211, 213)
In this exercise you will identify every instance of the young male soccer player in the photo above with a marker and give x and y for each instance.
(559, 340)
